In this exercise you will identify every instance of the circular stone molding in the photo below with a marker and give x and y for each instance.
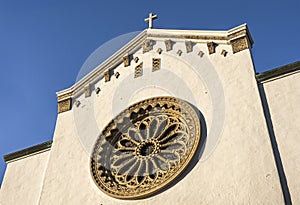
(145, 147)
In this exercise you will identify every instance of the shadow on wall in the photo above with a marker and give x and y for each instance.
(276, 153)
(197, 155)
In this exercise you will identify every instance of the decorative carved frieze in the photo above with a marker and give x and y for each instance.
(169, 45)
(211, 47)
(242, 31)
(148, 45)
(138, 72)
(64, 105)
(240, 44)
(189, 46)
(107, 75)
(126, 60)
(155, 64)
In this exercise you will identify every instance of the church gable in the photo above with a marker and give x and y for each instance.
(177, 43)
(159, 77)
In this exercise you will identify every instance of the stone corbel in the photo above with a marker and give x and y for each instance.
(148, 45)
(169, 45)
(107, 75)
(126, 60)
(189, 46)
(211, 47)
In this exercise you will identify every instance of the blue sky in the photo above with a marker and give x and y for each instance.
(43, 45)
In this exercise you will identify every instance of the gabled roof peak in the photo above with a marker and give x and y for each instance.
(239, 37)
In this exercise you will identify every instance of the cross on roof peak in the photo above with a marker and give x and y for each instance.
(150, 19)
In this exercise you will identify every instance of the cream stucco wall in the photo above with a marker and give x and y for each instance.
(236, 165)
(23, 180)
(283, 96)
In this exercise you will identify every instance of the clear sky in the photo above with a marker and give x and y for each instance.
(43, 45)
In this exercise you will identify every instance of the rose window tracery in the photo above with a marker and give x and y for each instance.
(145, 147)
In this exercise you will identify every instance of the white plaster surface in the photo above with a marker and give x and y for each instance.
(283, 97)
(23, 180)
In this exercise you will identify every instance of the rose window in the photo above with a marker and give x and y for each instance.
(145, 147)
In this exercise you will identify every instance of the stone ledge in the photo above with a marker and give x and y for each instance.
(278, 72)
(28, 151)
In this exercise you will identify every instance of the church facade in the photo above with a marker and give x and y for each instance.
(173, 117)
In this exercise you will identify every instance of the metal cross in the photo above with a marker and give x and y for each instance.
(150, 19)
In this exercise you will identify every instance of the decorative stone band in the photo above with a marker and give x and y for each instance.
(188, 36)
(64, 102)
(239, 38)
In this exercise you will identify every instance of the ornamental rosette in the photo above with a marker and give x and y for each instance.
(145, 147)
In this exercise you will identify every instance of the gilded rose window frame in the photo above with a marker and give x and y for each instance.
(145, 148)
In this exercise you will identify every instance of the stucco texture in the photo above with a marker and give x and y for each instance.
(283, 96)
(23, 180)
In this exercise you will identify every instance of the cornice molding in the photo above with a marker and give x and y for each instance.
(64, 102)
(278, 73)
(28, 151)
(239, 38)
